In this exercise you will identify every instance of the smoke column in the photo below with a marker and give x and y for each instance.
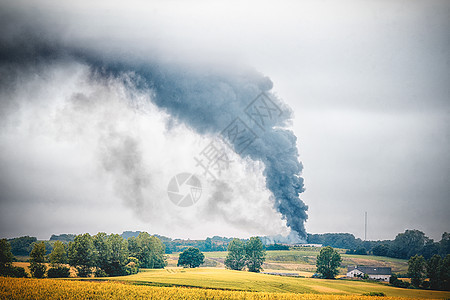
(208, 100)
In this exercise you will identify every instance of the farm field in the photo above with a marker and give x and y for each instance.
(40, 289)
(303, 261)
(217, 278)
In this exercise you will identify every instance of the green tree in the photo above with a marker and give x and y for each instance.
(235, 259)
(416, 270)
(112, 253)
(6, 257)
(57, 258)
(409, 243)
(380, 250)
(102, 253)
(191, 257)
(255, 254)
(445, 273)
(133, 246)
(149, 250)
(444, 244)
(328, 262)
(37, 258)
(433, 271)
(22, 245)
(82, 254)
(208, 244)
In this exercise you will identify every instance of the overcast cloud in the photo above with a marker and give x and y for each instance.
(368, 83)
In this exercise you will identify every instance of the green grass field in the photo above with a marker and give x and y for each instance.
(217, 278)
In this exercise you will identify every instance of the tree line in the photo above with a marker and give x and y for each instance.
(405, 245)
(216, 243)
(100, 255)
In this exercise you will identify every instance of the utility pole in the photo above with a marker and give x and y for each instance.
(365, 226)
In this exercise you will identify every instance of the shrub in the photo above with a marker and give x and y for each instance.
(132, 268)
(12, 271)
(100, 273)
(398, 283)
(58, 272)
(378, 294)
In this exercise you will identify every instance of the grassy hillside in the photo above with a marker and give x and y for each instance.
(303, 259)
(216, 278)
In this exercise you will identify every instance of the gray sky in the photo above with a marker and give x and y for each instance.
(368, 82)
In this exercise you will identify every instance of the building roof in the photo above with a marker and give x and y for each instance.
(371, 270)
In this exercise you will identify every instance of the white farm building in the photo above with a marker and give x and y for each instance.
(376, 273)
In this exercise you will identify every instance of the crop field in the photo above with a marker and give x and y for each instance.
(217, 278)
(303, 261)
(40, 289)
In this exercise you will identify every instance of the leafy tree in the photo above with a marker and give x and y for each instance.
(58, 272)
(102, 251)
(157, 260)
(381, 250)
(444, 244)
(433, 271)
(235, 259)
(57, 258)
(22, 245)
(6, 257)
(82, 254)
(119, 255)
(133, 246)
(191, 257)
(328, 262)
(361, 251)
(149, 250)
(133, 266)
(445, 273)
(255, 254)
(429, 249)
(37, 258)
(112, 254)
(397, 282)
(416, 270)
(208, 244)
(409, 243)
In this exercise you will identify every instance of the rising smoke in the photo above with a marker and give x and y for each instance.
(205, 98)
(208, 100)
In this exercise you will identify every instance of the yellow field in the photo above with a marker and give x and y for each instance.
(217, 278)
(20, 288)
